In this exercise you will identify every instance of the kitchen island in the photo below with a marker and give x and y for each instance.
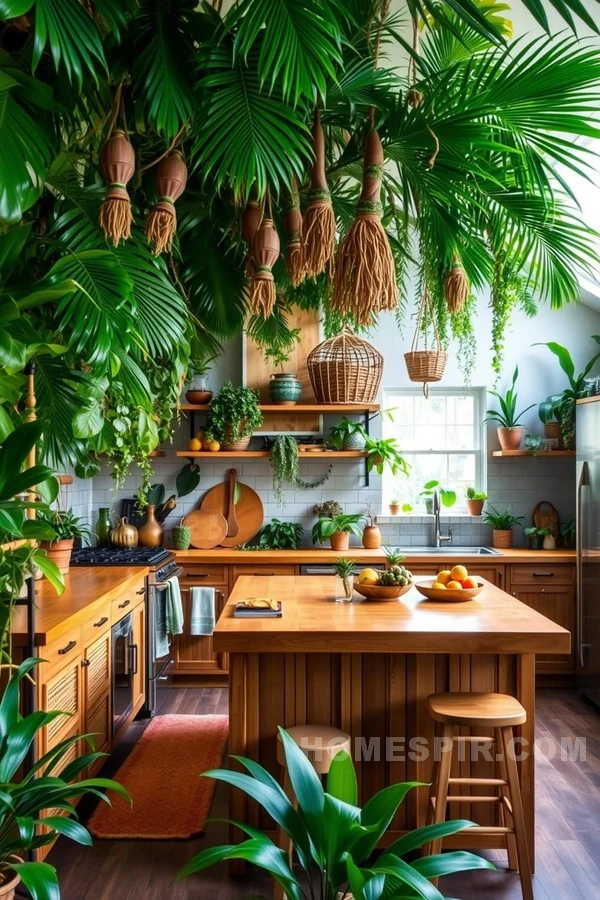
(368, 668)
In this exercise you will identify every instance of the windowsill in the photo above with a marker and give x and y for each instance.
(386, 518)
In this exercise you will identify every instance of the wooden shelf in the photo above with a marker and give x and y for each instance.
(154, 454)
(593, 399)
(264, 454)
(546, 453)
(300, 408)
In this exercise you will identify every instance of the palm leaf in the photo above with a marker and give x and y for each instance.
(72, 36)
(215, 283)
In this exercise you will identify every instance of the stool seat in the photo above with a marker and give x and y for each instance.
(320, 743)
(476, 708)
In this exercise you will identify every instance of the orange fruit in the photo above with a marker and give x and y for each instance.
(470, 583)
(454, 586)
(194, 444)
(459, 573)
(200, 435)
(444, 576)
(439, 586)
(213, 446)
(368, 576)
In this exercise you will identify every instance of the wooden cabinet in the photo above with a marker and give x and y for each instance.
(194, 654)
(139, 661)
(96, 665)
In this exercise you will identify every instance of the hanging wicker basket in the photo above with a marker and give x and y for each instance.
(425, 365)
(345, 369)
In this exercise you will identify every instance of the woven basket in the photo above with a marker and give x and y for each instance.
(501, 539)
(345, 369)
(425, 365)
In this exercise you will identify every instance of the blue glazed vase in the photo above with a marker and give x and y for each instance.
(284, 390)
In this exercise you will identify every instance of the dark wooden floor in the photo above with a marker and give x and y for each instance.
(568, 828)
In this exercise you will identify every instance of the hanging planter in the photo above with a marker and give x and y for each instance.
(265, 253)
(292, 222)
(425, 365)
(318, 224)
(251, 219)
(117, 164)
(365, 278)
(171, 179)
(456, 287)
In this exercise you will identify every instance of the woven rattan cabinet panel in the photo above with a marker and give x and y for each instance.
(96, 692)
(62, 691)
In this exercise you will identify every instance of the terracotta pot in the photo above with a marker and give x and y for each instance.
(198, 397)
(340, 541)
(394, 509)
(171, 178)
(475, 507)
(251, 219)
(502, 540)
(510, 438)
(265, 250)
(371, 537)
(117, 162)
(8, 888)
(60, 553)
(151, 532)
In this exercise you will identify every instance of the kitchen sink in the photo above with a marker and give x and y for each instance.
(449, 551)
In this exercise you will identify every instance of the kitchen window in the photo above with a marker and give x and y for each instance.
(441, 438)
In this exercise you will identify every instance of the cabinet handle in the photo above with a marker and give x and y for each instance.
(543, 574)
(134, 658)
(101, 622)
(263, 573)
(141, 591)
(196, 575)
(85, 662)
(124, 604)
(68, 648)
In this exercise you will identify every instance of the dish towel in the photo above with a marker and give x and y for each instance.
(203, 610)
(161, 638)
(174, 607)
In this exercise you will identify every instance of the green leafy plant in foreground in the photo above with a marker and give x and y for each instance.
(277, 535)
(325, 527)
(234, 414)
(334, 840)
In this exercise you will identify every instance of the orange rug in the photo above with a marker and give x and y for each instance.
(162, 775)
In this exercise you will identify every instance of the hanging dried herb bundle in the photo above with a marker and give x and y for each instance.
(365, 279)
(171, 179)
(456, 287)
(292, 221)
(318, 224)
(117, 164)
(251, 219)
(265, 253)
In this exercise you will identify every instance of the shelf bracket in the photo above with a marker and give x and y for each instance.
(366, 427)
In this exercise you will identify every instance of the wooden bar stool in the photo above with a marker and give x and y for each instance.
(320, 744)
(501, 713)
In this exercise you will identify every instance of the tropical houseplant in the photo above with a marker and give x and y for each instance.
(344, 569)
(347, 435)
(447, 495)
(234, 415)
(337, 529)
(535, 536)
(385, 452)
(333, 839)
(277, 535)
(67, 527)
(474, 500)
(568, 533)
(502, 525)
(506, 418)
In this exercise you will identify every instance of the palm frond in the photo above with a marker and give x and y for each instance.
(72, 37)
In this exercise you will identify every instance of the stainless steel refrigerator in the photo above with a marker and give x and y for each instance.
(587, 648)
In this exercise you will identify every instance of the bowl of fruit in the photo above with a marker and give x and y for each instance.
(454, 585)
(388, 585)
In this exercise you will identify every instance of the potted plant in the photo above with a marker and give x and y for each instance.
(535, 536)
(384, 452)
(234, 414)
(548, 413)
(510, 433)
(447, 496)
(394, 506)
(67, 526)
(344, 569)
(328, 508)
(279, 535)
(502, 524)
(278, 341)
(474, 501)
(34, 798)
(285, 464)
(532, 443)
(347, 435)
(197, 391)
(284, 387)
(337, 529)
(333, 839)
(371, 537)
(564, 404)
(568, 533)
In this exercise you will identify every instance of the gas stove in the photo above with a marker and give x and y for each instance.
(128, 556)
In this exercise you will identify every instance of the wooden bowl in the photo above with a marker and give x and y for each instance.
(382, 591)
(446, 596)
(200, 398)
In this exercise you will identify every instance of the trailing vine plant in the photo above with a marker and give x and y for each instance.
(284, 462)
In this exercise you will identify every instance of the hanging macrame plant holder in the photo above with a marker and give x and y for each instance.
(292, 222)
(117, 164)
(318, 223)
(251, 219)
(456, 287)
(426, 365)
(171, 179)
(265, 253)
(365, 277)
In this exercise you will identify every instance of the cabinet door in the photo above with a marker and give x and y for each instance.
(194, 654)
(138, 645)
(62, 692)
(96, 694)
(556, 602)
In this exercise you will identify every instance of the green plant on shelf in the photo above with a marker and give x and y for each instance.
(327, 526)
(472, 494)
(501, 521)
(285, 464)
(568, 532)
(234, 414)
(341, 435)
(506, 416)
(385, 452)
(535, 536)
(562, 406)
(532, 443)
(393, 557)
(277, 535)
(329, 508)
(66, 525)
(447, 496)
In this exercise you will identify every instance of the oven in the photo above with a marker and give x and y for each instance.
(157, 666)
(125, 655)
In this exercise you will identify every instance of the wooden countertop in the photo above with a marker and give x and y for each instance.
(313, 555)
(313, 622)
(86, 589)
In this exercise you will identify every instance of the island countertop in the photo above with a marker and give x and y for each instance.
(312, 622)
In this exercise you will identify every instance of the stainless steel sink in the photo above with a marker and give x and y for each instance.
(449, 551)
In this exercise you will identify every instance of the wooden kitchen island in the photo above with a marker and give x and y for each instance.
(368, 668)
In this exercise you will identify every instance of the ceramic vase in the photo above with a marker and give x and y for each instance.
(103, 527)
(371, 537)
(151, 532)
(284, 389)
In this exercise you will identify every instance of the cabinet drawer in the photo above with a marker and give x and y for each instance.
(96, 625)
(127, 601)
(267, 569)
(62, 650)
(200, 574)
(542, 573)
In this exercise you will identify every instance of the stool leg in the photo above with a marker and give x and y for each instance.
(440, 788)
(511, 844)
(434, 780)
(518, 818)
(283, 840)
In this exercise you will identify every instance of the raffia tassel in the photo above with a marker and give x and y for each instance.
(292, 222)
(116, 220)
(456, 287)
(294, 263)
(318, 226)
(262, 295)
(365, 280)
(415, 98)
(160, 229)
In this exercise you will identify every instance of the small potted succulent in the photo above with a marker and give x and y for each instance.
(535, 536)
(394, 506)
(510, 433)
(344, 569)
(234, 415)
(337, 529)
(474, 501)
(502, 524)
(447, 496)
(67, 526)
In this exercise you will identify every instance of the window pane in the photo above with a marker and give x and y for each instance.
(460, 437)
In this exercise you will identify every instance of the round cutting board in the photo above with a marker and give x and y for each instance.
(208, 528)
(248, 511)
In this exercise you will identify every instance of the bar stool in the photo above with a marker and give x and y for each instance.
(320, 743)
(501, 713)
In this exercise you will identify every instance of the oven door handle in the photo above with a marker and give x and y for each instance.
(162, 585)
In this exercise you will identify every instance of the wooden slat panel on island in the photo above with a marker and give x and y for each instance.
(368, 668)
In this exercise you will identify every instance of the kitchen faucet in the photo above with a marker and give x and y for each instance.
(439, 537)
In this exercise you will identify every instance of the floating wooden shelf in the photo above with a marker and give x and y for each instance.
(594, 399)
(156, 453)
(546, 453)
(264, 454)
(300, 408)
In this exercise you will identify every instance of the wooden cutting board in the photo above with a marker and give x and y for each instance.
(208, 528)
(546, 516)
(248, 511)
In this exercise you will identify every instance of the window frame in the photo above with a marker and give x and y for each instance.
(479, 394)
